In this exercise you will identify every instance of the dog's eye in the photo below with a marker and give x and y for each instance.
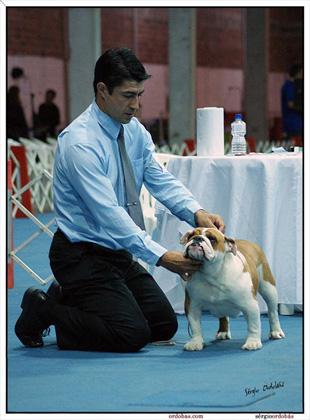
(212, 240)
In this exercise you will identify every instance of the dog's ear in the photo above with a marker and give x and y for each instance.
(231, 245)
(184, 238)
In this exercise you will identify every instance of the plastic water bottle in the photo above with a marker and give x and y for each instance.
(238, 131)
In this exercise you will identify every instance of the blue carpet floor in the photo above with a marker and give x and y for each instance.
(221, 378)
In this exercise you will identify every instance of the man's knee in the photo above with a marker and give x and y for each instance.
(172, 327)
(135, 339)
(166, 329)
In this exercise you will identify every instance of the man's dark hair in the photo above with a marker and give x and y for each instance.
(17, 72)
(294, 70)
(51, 92)
(117, 65)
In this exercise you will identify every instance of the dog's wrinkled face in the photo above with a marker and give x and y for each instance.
(206, 243)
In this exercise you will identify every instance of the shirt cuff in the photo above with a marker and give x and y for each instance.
(153, 251)
(188, 214)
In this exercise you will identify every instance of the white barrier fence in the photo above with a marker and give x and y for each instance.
(40, 158)
(43, 228)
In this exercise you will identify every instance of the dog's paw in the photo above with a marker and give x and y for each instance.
(223, 335)
(196, 344)
(252, 344)
(276, 334)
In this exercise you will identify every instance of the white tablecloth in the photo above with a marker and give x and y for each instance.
(260, 198)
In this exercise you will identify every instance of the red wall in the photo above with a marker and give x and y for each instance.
(286, 44)
(42, 33)
(219, 35)
(143, 29)
(37, 31)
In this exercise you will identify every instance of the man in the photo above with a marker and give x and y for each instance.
(292, 103)
(108, 301)
(48, 116)
(16, 125)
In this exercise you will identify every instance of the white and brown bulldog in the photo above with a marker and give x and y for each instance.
(227, 284)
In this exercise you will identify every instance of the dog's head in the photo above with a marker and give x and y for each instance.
(206, 244)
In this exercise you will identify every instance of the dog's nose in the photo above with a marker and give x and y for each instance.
(198, 239)
(194, 244)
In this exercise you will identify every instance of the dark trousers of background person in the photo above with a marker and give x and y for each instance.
(110, 302)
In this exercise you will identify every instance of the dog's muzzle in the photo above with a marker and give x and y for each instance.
(199, 248)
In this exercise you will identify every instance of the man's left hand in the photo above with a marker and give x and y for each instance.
(205, 219)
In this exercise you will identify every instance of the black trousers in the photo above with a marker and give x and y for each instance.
(110, 302)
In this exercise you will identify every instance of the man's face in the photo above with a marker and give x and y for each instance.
(123, 103)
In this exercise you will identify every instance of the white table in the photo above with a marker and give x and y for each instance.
(260, 198)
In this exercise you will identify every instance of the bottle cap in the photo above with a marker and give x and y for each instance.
(238, 116)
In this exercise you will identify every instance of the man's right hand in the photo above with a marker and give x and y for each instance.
(176, 262)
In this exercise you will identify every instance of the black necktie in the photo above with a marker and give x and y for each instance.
(133, 202)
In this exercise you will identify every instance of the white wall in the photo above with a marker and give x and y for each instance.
(155, 97)
(275, 82)
(219, 87)
(215, 87)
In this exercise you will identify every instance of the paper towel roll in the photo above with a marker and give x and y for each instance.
(210, 131)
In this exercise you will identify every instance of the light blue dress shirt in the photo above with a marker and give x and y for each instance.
(89, 195)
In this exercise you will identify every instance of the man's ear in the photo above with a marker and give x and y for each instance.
(184, 238)
(102, 89)
(231, 245)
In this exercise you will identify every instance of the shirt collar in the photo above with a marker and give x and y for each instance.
(107, 123)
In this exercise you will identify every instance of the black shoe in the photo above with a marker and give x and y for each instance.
(55, 292)
(30, 325)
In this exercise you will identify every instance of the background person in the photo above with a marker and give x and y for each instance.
(16, 125)
(109, 302)
(48, 116)
(292, 103)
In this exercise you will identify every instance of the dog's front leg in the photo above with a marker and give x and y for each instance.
(194, 319)
(252, 315)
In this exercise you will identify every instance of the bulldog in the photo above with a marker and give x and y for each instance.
(232, 273)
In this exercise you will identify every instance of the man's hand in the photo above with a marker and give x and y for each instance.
(175, 261)
(205, 219)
